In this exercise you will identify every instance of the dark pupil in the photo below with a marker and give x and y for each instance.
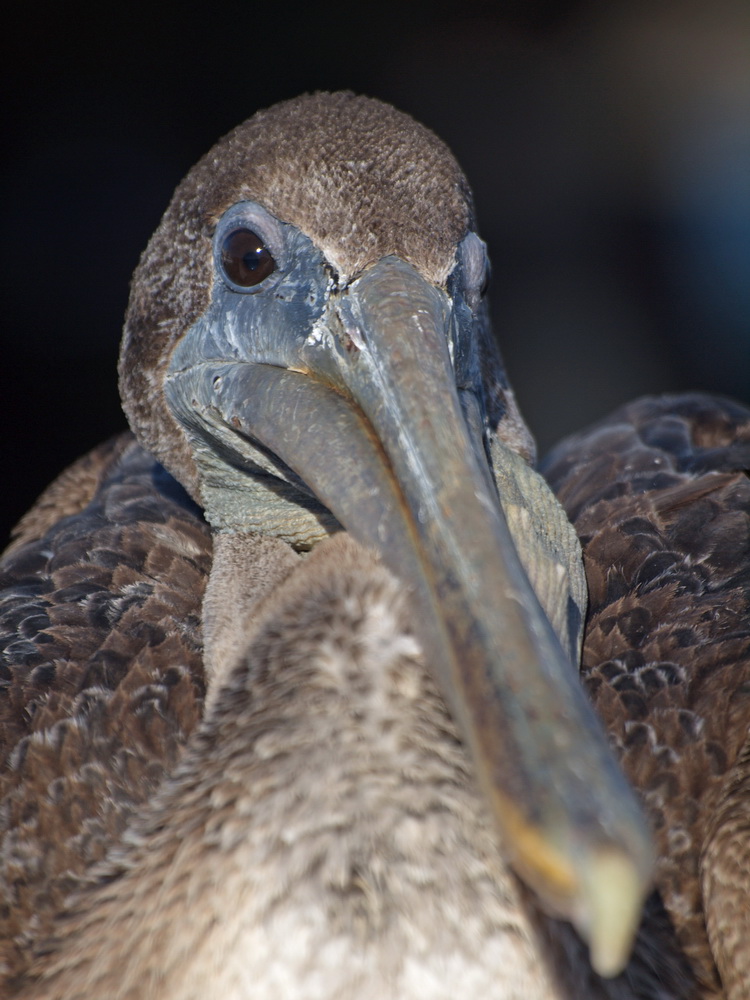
(245, 259)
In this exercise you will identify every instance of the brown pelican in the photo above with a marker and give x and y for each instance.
(307, 348)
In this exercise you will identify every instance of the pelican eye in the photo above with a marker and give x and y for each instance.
(245, 258)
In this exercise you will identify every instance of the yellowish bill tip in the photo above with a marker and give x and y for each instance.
(613, 895)
(602, 895)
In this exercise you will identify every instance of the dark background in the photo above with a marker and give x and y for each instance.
(608, 144)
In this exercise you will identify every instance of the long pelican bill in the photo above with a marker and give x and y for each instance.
(373, 410)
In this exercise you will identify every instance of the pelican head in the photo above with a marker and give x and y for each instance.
(307, 349)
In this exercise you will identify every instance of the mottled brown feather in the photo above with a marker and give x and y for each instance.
(660, 497)
(102, 677)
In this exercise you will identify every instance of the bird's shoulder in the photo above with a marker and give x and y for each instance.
(660, 496)
(101, 677)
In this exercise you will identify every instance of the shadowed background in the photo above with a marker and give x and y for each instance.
(608, 145)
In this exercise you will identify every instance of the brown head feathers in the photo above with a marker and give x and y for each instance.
(360, 178)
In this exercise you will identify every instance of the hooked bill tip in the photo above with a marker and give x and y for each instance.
(614, 891)
(601, 890)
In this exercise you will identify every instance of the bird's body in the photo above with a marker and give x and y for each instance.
(320, 823)
(350, 843)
